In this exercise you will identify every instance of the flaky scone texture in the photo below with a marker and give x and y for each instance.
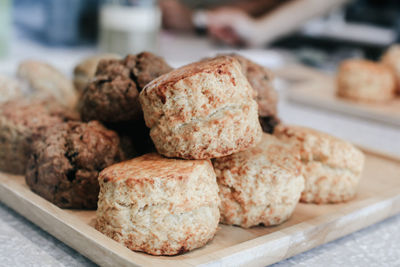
(261, 185)
(202, 110)
(391, 58)
(332, 167)
(157, 205)
(363, 80)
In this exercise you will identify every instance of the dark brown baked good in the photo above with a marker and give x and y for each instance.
(134, 136)
(261, 80)
(20, 120)
(66, 161)
(113, 95)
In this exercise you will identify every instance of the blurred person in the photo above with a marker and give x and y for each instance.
(240, 22)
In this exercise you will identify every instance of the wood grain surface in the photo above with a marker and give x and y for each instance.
(311, 225)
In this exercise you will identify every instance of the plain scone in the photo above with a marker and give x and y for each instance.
(261, 185)
(157, 205)
(363, 80)
(391, 58)
(47, 81)
(202, 110)
(332, 167)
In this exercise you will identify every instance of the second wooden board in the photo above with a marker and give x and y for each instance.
(320, 92)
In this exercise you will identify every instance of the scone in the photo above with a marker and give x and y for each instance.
(20, 120)
(332, 167)
(363, 80)
(261, 80)
(85, 71)
(113, 94)
(202, 110)
(66, 160)
(261, 185)
(46, 81)
(391, 58)
(9, 89)
(157, 205)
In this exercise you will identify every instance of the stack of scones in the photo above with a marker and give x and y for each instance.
(176, 152)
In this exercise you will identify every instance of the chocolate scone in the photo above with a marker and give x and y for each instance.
(20, 120)
(113, 95)
(66, 161)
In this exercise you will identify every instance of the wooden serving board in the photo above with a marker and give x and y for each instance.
(311, 225)
(320, 92)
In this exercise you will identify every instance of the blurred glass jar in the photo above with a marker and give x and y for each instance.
(5, 26)
(129, 26)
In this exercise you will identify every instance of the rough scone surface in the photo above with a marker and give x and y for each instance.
(363, 80)
(261, 185)
(85, 71)
(332, 167)
(157, 205)
(45, 80)
(113, 94)
(202, 110)
(20, 121)
(66, 161)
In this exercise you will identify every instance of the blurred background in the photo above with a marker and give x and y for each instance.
(272, 32)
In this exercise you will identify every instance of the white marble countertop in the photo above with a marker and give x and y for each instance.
(24, 244)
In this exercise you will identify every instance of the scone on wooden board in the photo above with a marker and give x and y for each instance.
(45, 80)
(391, 58)
(85, 70)
(9, 89)
(158, 205)
(332, 167)
(261, 185)
(66, 160)
(201, 110)
(20, 120)
(364, 80)
(112, 96)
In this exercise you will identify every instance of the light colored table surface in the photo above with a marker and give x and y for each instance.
(24, 244)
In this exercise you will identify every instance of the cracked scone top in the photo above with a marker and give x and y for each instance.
(202, 110)
(158, 205)
(261, 185)
(332, 167)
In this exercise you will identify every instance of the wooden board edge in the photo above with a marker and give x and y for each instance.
(289, 242)
(71, 231)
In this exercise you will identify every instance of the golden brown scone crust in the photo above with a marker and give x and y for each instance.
(157, 205)
(202, 110)
(261, 185)
(332, 167)
(9, 89)
(85, 71)
(261, 80)
(391, 58)
(48, 81)
(363, 80)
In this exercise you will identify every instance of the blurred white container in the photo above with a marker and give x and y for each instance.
(129, 26)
